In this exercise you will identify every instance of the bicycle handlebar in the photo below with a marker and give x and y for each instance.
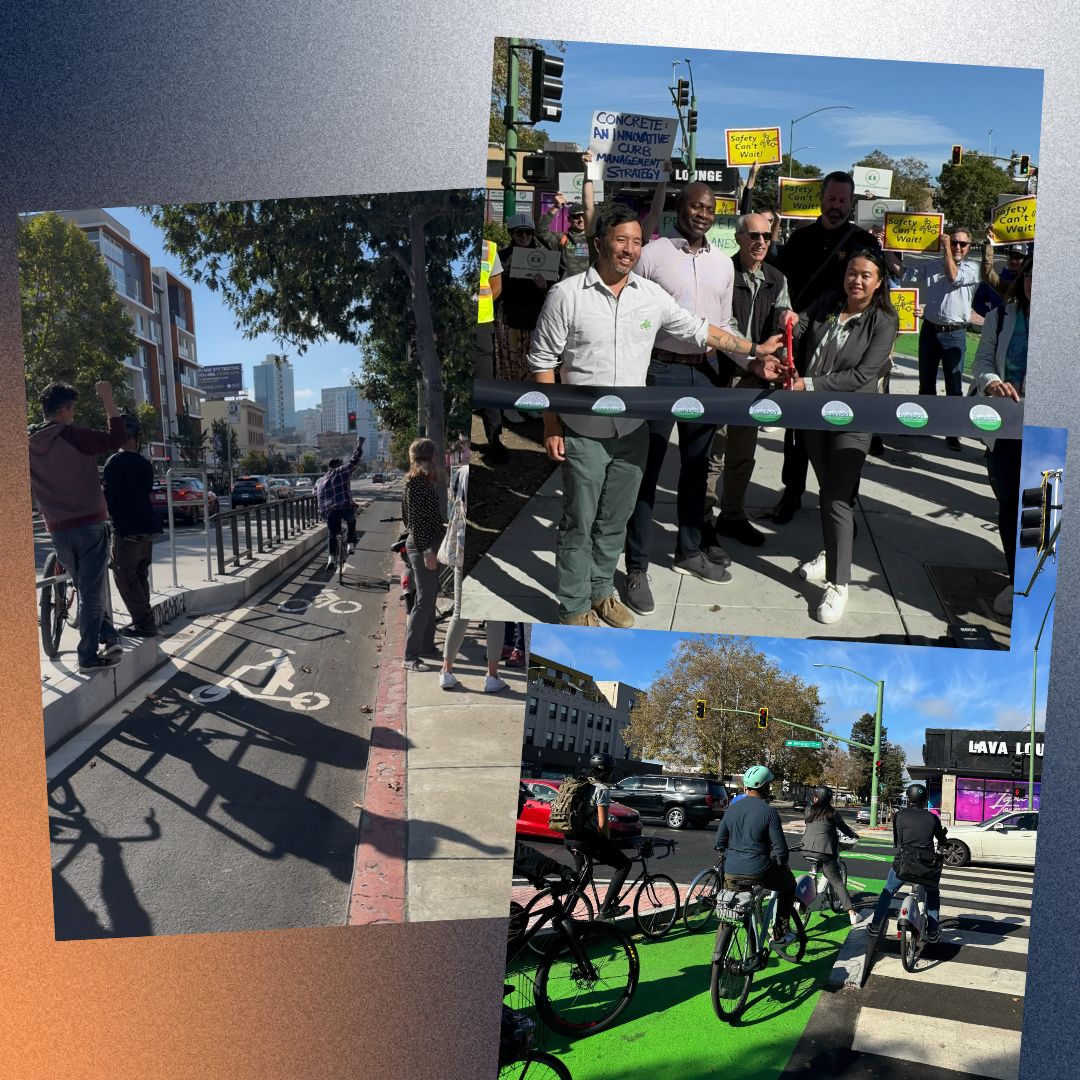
(391, 519)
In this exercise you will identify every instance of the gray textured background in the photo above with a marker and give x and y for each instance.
(123, 103)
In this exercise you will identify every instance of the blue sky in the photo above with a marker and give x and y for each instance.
(905, 109)
(924, 687)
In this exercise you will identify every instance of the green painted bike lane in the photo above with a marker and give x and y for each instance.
(669, 1030)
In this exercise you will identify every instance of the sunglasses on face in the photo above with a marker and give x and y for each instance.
(521, 232)
(760, 236)
(961, 244)
(574, 217)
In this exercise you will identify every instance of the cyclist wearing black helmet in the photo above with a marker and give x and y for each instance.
(822, 837)
(914, 831)
(751, 843)
(127, 480)
(596, 839)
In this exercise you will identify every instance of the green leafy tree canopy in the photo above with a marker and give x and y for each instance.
(967, 194)
(911, 178)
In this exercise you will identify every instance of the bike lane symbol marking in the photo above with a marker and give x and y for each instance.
(281, 679)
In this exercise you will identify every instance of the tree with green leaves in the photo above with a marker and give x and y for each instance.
(224, 446)
(894, 761)
(911, 178)
(150, 422)
(308, 463)
(277, 463)
(191, 441)
(352, 268)
(75, 328)
(728, 673)
(767, 182)
(967, 193)
(253, 463)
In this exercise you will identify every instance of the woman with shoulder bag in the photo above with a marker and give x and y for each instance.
(822, 837)
(422, 518)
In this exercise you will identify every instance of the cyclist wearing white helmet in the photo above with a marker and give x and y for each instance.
(751, 844)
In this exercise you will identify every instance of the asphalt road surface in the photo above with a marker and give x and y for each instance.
(228, 799)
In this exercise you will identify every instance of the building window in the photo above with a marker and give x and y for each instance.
(532, 706)
(573, 716)
(570, 743)
(588, 746)
(607, 747)
(529, 732)
(589, 720)
(562, 714)
(559, 744)
(607, 724)
(549, 738)
(551, 710)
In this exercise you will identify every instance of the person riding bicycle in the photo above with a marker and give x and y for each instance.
(823, 826)
(595, 839)
(751, 844)
(914, 831)
(334, 497)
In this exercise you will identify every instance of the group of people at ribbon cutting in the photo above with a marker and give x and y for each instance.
(679, 313)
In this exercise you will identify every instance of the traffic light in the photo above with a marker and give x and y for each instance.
(691, 121)
(1025, 164)
(682, 93)
(1018, 792)
(352, 421)
(879, 769)
(1017, 766)
(700, 709)
(1035, 517)
(547, 88)
(763, 718)
(538, 169)
(957, 154)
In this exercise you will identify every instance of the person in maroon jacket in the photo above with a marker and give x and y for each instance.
(64, 480)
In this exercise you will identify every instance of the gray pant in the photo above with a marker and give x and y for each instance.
(601, 479)
(455, 629)
(830, 867)
(738, 447)
(837, 458)
(84, 553)
(420, 629)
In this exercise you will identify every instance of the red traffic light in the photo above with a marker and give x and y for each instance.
(352, 421)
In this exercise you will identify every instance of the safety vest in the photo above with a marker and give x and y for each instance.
(486, 310)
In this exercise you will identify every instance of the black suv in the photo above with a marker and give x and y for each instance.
(678, 800)
(250, 489)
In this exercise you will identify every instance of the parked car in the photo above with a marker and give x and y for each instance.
(537, 812)
(187, 497)
(676, 800)
(1008, 837)
(378, 478)
(862, 816)
(304, 485)
(281, 488)
(249, 490)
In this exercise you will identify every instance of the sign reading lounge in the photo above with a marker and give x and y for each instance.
(991, 746)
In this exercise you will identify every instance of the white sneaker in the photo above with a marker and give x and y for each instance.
(349, 549)
(494, 685)
(1003, 602)
(447, 680)
(331, 564)
(855, 918)
(814, 570)
(833, 603)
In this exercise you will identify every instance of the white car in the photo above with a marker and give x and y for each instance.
(1008, 837)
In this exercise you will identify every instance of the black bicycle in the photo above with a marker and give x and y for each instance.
(699, 908)
(58, 604)
(519, 1056)
(588, 971)
(656, 903)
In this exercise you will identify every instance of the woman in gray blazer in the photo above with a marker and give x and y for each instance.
(843, 345)
(821, 838)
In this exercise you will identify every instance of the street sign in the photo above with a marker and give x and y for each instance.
(814, 745)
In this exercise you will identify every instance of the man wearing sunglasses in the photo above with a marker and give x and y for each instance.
(573, 244)
(946, 290)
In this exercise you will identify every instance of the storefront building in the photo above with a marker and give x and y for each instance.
(972, 775)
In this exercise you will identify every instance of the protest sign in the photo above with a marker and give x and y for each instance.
(628, 146)
(913, 232)
(720, 236)
(872, 211)
(1014, 221)
(725, 207)
(906, 302)
(800, 198)
(570, 184)
(877, 182)
(526, 261)
(748, 145)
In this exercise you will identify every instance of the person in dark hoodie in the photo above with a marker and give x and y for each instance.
(64, 481)
(127, 481)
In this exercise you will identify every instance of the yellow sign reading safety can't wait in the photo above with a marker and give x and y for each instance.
(906, 303)
(1014, 221)
(913, 232)
(800, 198)
(745, 146)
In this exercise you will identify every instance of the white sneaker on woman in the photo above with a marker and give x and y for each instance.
(832, 603)
(494, 685)
(814, 570)
(447, 680)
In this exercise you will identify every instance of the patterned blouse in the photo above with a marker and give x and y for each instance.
(421, 515)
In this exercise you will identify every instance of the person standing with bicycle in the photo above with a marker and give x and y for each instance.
(750, 840)
(822, 837)
(333, 492)
(915, 831)
(66, 488)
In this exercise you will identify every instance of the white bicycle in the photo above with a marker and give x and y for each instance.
(281, 678)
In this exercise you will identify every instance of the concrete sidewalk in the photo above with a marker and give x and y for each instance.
(927, 556)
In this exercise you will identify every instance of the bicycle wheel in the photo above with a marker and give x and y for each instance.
(536, 1065)
(51, 610)
(732, 970)
(656, 905)
(578, 906)
(700, 904)
(909, 947)
(794, 951)
(575, 998)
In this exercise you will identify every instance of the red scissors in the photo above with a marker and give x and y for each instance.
(789, 378)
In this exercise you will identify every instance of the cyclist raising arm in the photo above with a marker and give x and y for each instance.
(751, 844)
(823, 826)
(334, 498)
(914, 831)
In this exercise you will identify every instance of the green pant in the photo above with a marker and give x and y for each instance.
(601, 479)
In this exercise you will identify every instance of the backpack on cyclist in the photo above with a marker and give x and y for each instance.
(570, 809)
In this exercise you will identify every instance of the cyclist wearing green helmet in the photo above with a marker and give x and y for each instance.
(751, 844)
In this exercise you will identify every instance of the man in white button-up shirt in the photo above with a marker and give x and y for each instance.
(600, 327)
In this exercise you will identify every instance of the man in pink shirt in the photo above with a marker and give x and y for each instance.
(700, 278)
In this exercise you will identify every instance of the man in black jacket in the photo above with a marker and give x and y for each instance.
(760, 307)
(813, 262)
(127, 481)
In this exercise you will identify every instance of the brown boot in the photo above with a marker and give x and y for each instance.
(613, 612)
(582, 618)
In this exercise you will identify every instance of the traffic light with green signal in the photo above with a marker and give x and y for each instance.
(700, 709)
(1025, 164)
(763, 718)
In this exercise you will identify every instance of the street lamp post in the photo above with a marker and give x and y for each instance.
(880, 684)
(1034, 676)
(791, 143)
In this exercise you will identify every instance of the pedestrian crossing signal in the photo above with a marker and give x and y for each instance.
(700, 709)
(957, 154)
(763, 718)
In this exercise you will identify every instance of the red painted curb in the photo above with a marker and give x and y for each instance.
(378, 885)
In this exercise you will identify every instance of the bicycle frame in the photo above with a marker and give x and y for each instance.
(557, 915)
(588, 884)
(913, 913)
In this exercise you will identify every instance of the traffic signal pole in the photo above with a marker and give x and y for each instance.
(1034, 676)
(800, 727)
(513, 96)
(877, 757)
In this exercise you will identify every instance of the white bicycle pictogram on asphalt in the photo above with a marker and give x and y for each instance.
(281, 678)
(326, 599)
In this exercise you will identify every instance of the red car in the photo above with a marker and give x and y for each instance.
(534, 818)
(187, 495)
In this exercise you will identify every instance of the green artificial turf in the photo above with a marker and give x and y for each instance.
(908, 345)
